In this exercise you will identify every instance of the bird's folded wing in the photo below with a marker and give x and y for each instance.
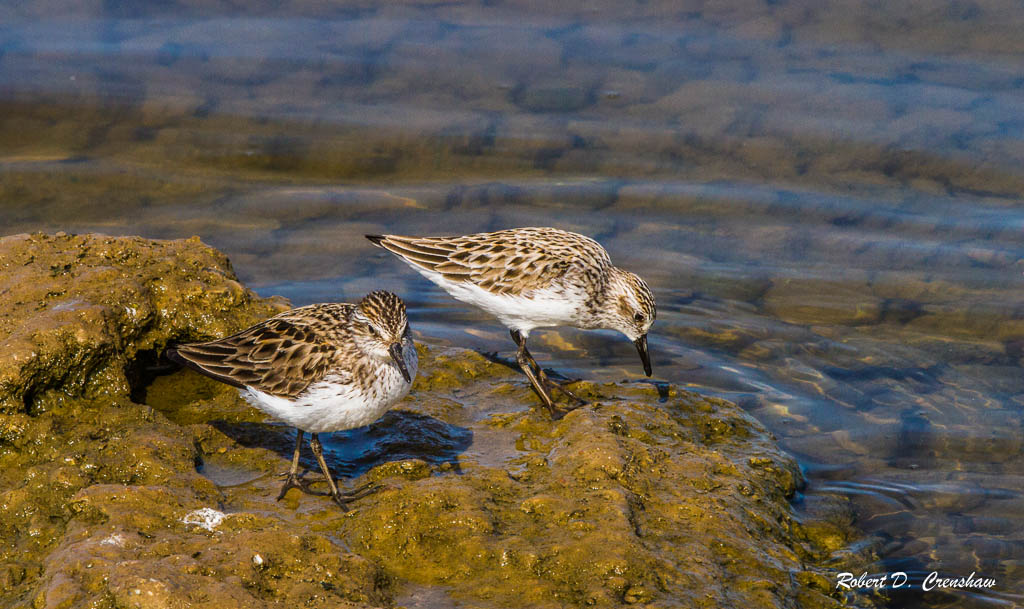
(279, 356)
(506, 266)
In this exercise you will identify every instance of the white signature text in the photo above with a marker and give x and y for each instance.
(899, 579)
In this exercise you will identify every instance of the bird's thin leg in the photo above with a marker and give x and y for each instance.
(318, 452)
(293, 474)
(541, 375)
(524, 359)
(342, 499)
(521, 342)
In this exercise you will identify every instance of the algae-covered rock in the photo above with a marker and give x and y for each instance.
(632, 501)
(78, 309)
(125, 482)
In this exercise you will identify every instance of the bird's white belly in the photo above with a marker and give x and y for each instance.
(542, 309)
(334, 405)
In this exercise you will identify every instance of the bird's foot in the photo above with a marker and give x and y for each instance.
(343, 498)
(557, 412)
(294, 481)
(561, 387)
(560, 412)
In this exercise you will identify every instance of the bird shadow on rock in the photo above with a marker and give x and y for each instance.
(397, 436)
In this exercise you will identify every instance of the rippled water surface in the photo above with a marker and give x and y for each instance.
(827, 198)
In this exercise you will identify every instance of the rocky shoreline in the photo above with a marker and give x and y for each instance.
(127, 483)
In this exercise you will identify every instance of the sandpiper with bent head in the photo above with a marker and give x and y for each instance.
(323, 367)
(534, 278)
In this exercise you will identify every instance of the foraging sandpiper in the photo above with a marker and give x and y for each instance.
(323, 367)
(534, 278)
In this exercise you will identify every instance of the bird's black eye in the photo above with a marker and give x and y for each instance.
(371, 330)
(639, 318)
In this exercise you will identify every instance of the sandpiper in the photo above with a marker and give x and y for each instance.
(534, 278)
(323, 367)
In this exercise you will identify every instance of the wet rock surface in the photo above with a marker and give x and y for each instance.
(127, 483)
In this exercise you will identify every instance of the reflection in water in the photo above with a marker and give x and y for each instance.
(827, 203)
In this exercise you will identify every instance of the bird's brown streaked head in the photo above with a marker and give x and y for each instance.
(630, 309)
(381, 328)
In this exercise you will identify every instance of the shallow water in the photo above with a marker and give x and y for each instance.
(827, 200)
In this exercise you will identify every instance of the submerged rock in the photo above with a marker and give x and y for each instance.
(127, 483)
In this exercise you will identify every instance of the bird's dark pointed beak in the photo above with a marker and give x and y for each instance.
(398, 356)
(641, 348)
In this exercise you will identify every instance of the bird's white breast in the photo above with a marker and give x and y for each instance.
(337, 403)
(542, 308)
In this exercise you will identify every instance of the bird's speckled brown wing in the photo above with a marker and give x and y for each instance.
(280, 356)
(510, 262)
